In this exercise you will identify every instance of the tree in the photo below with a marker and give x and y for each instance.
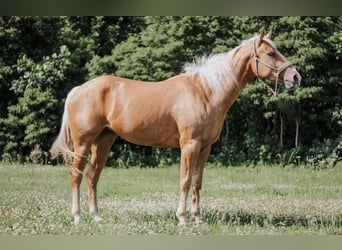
(29, 122)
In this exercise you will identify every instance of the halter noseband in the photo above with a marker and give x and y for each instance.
(277, 70)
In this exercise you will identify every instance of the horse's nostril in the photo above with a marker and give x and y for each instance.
(296, 79)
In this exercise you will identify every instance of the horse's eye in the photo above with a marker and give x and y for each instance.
(271, 54)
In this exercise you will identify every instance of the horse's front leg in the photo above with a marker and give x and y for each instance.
(189, 155)
(197, 184)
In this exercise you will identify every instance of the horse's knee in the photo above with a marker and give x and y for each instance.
(196, 182)
(185, 185)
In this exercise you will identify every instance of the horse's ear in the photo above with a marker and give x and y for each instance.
(269, 35)
(261, 34)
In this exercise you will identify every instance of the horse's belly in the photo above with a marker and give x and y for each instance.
(152, 139)
(160, 134)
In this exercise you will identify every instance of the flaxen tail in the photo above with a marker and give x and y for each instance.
(63, 144)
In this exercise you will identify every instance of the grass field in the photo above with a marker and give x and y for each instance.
(250, 201)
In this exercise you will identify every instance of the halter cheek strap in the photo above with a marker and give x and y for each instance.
(277, 70)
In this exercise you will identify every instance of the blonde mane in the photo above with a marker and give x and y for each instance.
(216, 71)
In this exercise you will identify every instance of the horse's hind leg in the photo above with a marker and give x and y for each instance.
(99, 150)
(79, 161)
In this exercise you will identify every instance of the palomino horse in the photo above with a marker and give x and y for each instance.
(186, 111)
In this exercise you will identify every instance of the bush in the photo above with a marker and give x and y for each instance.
(30, 122)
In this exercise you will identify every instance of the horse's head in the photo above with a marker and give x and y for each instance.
(270, 64)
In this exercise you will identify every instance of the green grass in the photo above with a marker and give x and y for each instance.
(262, 200)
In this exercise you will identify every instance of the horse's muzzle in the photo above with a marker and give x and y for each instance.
(292, 80)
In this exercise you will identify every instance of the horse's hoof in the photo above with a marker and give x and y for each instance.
(198, 222)
(182, 223)
(97, 218)
(77, 220)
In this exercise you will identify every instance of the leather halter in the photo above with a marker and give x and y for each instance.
(278, 70)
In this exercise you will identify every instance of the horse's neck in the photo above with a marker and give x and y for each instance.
(241, 63)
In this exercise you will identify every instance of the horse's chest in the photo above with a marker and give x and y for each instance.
(207, 127)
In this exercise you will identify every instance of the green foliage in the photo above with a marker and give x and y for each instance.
(124, 155)
(42, 74)
(25, 127)
(42, 58)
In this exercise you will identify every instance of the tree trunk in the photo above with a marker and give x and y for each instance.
(297, 132)
(297, 126)
(281, 129)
